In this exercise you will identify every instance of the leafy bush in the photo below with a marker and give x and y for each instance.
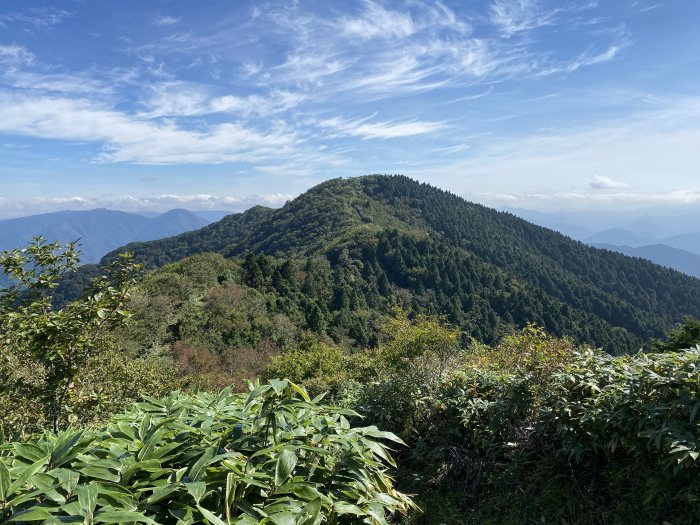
(411, 364)
(53, 345)
(685, 335)
(641, 405)
(321, 367)
(214, 371)
(578, 438)
(269, 456)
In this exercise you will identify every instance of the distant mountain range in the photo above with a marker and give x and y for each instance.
(681, 260)
(98, 231)
(666, 236)
(651, 224)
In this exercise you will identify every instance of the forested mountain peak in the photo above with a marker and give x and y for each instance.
(489, 271)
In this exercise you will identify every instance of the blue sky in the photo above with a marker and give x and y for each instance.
(542, 104)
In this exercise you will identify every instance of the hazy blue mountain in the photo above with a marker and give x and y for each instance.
(212, 215)
(99, 231)
(570, 225)
(619, 237)
(662, 254)
(652, 224)
(685, 241)
(629, 228)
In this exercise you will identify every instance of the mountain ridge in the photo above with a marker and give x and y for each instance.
(504, 272)
(661, 254)
(98, 231)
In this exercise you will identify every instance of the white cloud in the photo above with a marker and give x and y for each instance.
(588, 59)
(380, 130)
(377, 21)
(606, 183)
(131, 139)
(36, 17)
(656, 150)
(582, 200)
(515, 16)
(166, 21)
(155, 203)
(421, 47)
(14, 55)
(276, 101)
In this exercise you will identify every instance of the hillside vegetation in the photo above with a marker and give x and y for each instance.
(319, 374)
(380, 241)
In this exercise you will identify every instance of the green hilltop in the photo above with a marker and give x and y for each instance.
(392, 240)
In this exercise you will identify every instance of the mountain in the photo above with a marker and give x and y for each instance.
(569, 224)
(619, 237)
(349, 248)
(652, 224)
(685, 241)
(662, 254)
(99, 231)
(212, 215)
(676, 227)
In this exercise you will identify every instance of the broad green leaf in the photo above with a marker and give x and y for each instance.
(278, 385)
(342, 507)
(196, 490)
(65, 449)
(4, 481)
(48, 485)
(27, 473)
(99, 473)
(30, 451)
(376, 433)
(87, 498)
(311, 515)
(199, 467)
(286, 462)
(302, 392)
(210, 517)
(143, 428)
(122, 516)
(380, 451)
(283, 518)
(33, 514)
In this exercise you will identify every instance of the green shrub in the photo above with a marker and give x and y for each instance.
(586, 438)
(683, 336)
(268, 456)
(324, 368)
(640, 405)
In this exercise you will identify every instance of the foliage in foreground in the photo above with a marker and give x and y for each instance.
(685, 335)
(269, 456)
(547, 436)
(54, 345)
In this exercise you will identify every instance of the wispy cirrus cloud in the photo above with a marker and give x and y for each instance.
(207, 95)
(380, 130)
(588, 58)
(14, 55)
(516, 16)
(423, 47)
(35, 17)
(377, 21)
(185, 99)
